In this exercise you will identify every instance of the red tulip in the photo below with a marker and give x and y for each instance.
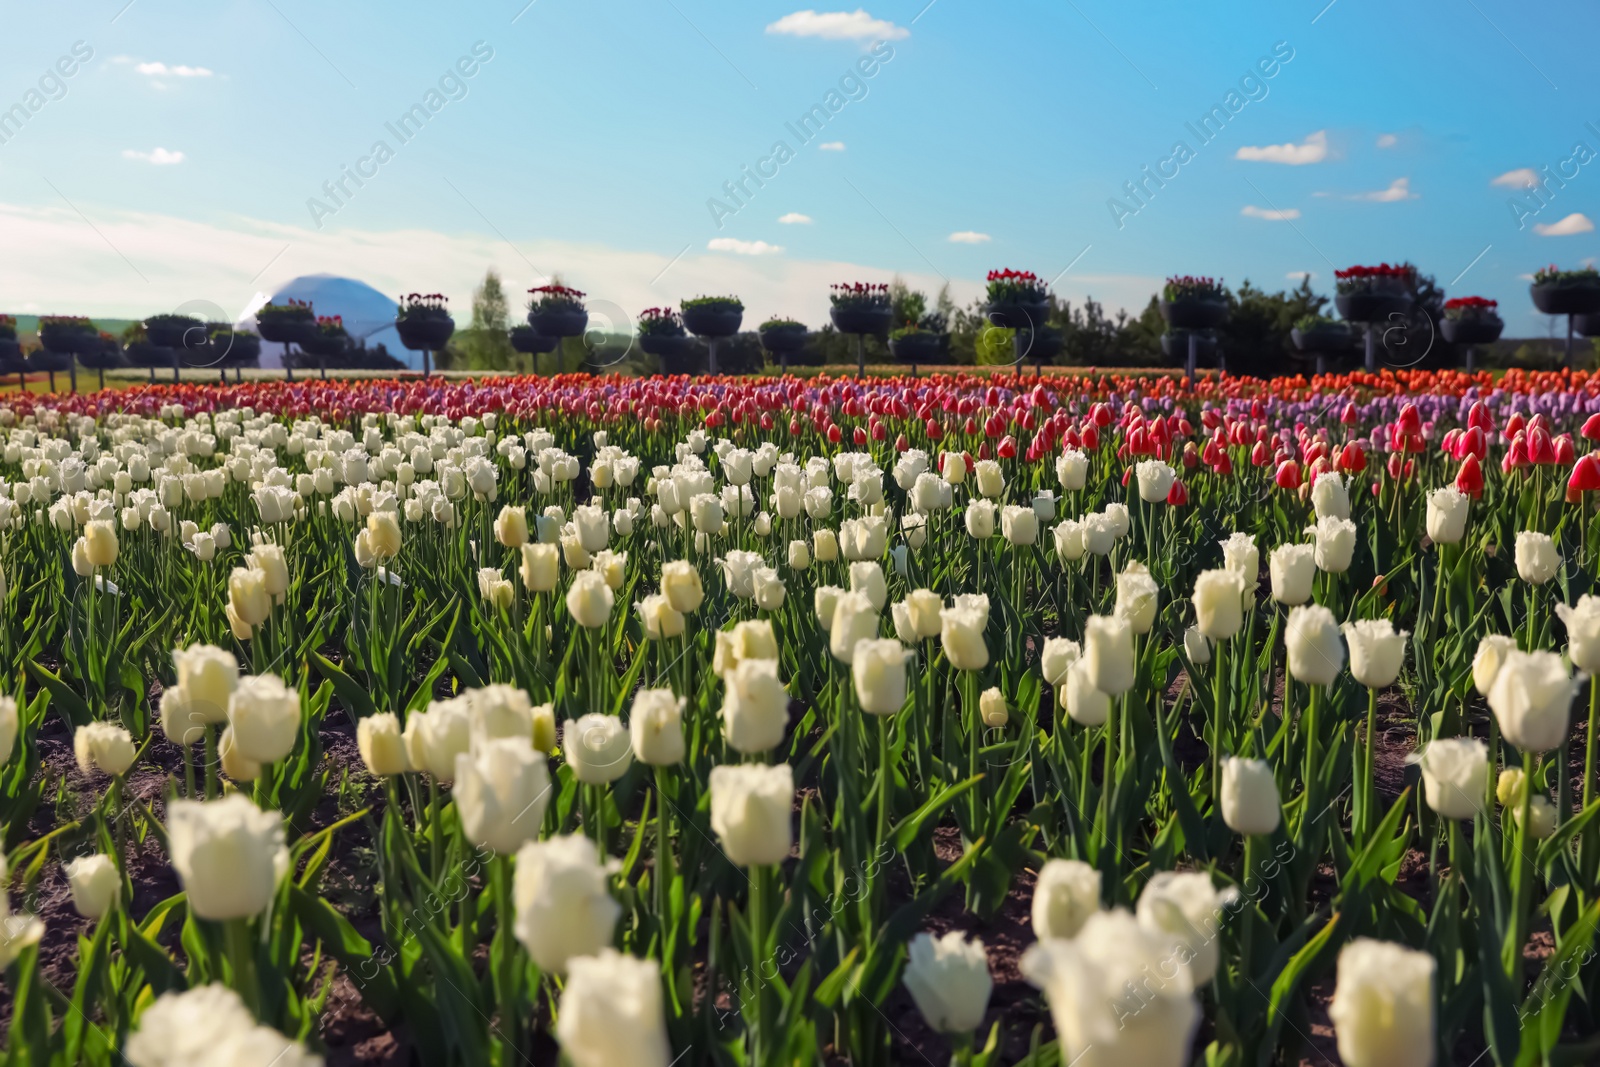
(1479, 418)
(1591, 427)
(1585, 475)
(1259, 455)
(1541, 450)
(1177, 496)
(1566, 452)
(1288, 474)
(1469, 479)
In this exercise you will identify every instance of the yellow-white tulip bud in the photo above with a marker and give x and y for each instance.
(752, 807)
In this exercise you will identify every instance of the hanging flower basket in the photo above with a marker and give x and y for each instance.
(1566, 292)
(557, 311)
(783, 337)
(861, 308)
(1016, 300)
(1189, 303)
(1471, 320)
(1372, 294)
(285, 324)
(68, 335)
(423, 322)
(1314, 333)
(713, 316)
(920, 346)
(531, 342)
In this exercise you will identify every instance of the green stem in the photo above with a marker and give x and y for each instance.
(1368, 801)
(1524, 869)
(240, 950)
(506, 984)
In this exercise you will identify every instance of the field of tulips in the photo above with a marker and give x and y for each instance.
(1083, 720)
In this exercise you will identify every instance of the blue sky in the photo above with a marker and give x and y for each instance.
(185, 160)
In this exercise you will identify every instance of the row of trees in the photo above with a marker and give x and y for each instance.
(1255, 340)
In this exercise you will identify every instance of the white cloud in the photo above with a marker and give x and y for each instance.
(70, 268)
(160, 70)
(1399, 189)
(969, 237)
(743, 248)
(1388, 140)
(1301, 275)
(854, 25)
(794, 218)
(158, 157)
(1270, 214)
(1313, 149)
(1520, 178)
(1575, 223)
(831, 146)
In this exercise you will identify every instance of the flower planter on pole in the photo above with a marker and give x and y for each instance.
(66, 336)
(861, 308)
(424, 325)
(713, 318)
(1567, 292)
(1471, 321)
(286, 324)
(1192, 307)
(11, 362)
(145, 354)
(1372, 295)
(1017, 300)
(530, 342)
(1190, 345)
(919, 346)
(108, 355)
(661, 334)
(51, 363)
(234, 348)
(558, 312)
(330, 341)
(783, 338)
(1042, 345)
(1321, 337)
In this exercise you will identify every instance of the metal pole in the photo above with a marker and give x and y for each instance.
(1471, 351)
(1569, 342)
(1194, 357)
(425, 355)
(861, 356)
(1372, 351)
(712, 345)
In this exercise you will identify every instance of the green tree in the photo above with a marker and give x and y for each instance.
(484, 344)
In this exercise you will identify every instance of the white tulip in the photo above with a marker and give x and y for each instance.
(1250, 801)
(1065, 894)
(751, 811)
(1455, 776)
(1116, 995)
(948, 977)
(1383, 1005)
(564, 907)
